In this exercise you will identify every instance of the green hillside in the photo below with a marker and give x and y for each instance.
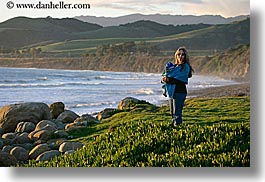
(23, 31)
(232, 63)
(71, 35)
(139, 29)
(218, 37)
(215, 133)
(49, 24)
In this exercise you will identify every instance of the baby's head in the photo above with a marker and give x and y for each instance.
(170, 66)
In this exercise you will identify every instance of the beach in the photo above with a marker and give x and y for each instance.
(240, 89)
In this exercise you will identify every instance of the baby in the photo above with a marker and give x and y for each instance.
(168, 67)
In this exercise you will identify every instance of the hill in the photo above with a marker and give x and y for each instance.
(49, 24)
(23, 31)
(160, 18)
(197, 38)
(73, 35)
(218, 37)
(233, 64)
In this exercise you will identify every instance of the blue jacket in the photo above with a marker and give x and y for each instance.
(181, 75)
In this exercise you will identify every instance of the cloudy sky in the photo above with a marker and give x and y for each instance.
(114, 8)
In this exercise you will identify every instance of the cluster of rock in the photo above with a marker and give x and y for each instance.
(40, 132)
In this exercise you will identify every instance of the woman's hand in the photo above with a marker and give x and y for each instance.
(164, 79)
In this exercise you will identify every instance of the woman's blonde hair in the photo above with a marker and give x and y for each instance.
(186, 60)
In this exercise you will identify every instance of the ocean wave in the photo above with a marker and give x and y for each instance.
(143, 91)
(34, 85)
(43, 78)
(13, 81)
(122, 77)
(92, 104)
(30, 85)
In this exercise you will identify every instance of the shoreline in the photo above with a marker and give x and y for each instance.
(235, 90)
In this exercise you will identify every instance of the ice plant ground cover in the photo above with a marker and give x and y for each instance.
(215, 132)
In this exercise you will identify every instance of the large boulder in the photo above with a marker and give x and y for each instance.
(68, 116)
(37, 150)
(20, 153)
(106, 113)
(66, 146)
(42, 135)
(45, 124)
(128, 102)
(9, 138)
(23, 138)
(48, 155)
(11, 115)
(56, 109)
(25, 127)
(85, 120)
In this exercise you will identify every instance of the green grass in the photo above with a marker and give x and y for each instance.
(215, 132)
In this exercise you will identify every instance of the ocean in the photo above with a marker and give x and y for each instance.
(87, 92)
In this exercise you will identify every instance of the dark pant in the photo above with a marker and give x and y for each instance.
(176, 105)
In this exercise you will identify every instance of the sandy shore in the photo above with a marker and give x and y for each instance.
(241, 89)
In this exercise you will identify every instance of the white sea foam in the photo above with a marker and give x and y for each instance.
(143, 91)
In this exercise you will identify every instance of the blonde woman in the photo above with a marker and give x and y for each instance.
(176, 83)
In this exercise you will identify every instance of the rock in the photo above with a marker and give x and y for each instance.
(54, 144)
(25, 127)
(72, 127)
(67, 116)
(9, 138)
(66, 146)
(59, 124)
(1, 143)
(20, 153)
(56, 109)
(127, 102)
(60, 134)
(45, 123)
(7, 160)
(48, 155)
(38, 142)
(7, 148)
(11, 115)
(86, 120)
(42, 135)
(37, 150)
(27, 146)
(106, 113)
(49, 128)
(23, 138)
(31, 135)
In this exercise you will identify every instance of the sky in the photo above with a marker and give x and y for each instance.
(115, 8)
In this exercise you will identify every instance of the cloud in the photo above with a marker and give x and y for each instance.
(225, 8)
(192, 7)
(140, 6)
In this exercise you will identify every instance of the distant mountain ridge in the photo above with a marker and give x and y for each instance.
(162, 19)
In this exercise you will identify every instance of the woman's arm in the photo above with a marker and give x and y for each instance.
(170, 80)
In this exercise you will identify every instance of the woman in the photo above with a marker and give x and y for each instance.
(176, 84)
